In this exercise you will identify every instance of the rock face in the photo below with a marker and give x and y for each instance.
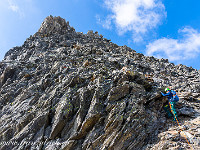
(68, 90)
(53, 25)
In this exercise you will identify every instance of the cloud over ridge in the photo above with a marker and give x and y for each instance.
(185, 48)
(136, 16)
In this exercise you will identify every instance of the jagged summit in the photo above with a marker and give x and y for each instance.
(53, 24)
(65, 90)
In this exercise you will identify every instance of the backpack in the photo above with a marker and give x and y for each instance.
(175, 97)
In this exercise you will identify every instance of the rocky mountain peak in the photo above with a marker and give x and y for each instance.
(65, 90)
(53, 24)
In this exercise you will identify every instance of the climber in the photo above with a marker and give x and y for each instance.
(172, 99)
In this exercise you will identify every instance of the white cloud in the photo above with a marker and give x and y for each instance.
(137, 16)
(185, 48)
(19, 7)
(14, 8)
(105, 23)
(12, 5)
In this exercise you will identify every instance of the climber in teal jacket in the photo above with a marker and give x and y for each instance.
(171, 111)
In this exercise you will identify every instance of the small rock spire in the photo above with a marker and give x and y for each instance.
(53, 24)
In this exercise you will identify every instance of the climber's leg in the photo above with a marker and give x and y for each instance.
(167, 110)
(173, 109)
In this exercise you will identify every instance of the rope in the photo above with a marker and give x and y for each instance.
(180, 126)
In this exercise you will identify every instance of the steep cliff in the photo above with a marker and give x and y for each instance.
(67, 90)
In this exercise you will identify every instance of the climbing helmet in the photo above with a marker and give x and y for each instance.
(166, 89)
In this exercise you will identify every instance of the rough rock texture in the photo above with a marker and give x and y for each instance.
(67, 90)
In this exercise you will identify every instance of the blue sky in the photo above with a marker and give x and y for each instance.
(161, 28)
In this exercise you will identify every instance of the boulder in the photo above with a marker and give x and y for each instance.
(118, 92)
